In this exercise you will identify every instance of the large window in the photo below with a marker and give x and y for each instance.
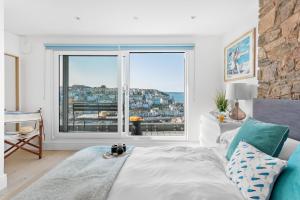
(107, 92)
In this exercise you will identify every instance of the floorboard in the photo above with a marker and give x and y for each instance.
(23, 168)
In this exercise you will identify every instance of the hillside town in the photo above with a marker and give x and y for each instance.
(151, 104)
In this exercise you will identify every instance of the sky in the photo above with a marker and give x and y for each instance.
(162, 71)
(93, 70)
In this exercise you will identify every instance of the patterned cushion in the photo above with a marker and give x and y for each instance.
(253, 171)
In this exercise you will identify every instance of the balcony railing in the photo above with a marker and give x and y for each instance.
(148, 129)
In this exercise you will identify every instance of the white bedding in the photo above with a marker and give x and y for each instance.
(173, 173)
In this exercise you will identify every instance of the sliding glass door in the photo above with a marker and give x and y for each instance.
(131, 93)
(157, 93)
(89, 92)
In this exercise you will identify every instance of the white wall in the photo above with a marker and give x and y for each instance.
(245, 25)
(3, 181)
(204, 80)
(11, 44)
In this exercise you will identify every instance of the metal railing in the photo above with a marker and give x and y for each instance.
(154, 129)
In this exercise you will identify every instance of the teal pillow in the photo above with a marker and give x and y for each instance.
(267, 137)
(287, 186)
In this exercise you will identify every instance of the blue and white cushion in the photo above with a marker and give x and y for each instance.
(253, 171)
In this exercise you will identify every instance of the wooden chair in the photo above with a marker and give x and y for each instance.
(24, 141)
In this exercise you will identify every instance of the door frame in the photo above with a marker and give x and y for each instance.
(56, 74)
(17, 79)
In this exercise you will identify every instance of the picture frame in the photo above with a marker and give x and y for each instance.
(239, 57)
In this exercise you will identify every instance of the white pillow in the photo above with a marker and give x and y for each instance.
(288, 148)
(227, 137)
(253, 171)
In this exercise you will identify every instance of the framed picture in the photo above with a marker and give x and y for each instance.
(239, 58)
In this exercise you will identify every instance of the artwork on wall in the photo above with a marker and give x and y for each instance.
(240, 58)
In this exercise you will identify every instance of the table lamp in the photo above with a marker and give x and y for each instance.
(236, 92)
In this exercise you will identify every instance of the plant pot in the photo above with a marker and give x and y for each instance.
(136, 128)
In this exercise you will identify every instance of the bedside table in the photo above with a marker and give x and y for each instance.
(211, 129)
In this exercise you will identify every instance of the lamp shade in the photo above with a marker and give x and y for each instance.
(239, 91)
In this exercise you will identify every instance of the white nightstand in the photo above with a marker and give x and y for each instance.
(211, 129)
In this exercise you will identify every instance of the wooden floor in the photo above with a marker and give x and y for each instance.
(23, 168)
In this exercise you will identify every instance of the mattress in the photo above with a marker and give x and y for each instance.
(174, 173)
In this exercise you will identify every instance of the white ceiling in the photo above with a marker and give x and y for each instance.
(116, 17)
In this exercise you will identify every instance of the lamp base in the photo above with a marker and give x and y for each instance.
(236, 113)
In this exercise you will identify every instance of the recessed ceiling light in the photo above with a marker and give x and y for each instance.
(136, 18)
(193, 17)
(77, 18)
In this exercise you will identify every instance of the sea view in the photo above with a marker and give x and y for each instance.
(178, 96)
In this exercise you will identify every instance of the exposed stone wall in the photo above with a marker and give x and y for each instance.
(279, 49)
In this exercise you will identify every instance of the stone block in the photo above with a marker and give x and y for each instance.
(297, 67)
(296, 96)
(267, 6)
(262, 91)
(263, 3)
(274, 44)
(296, 87)
(264, 86)
(274, 92)
(272, 35)
(264, 63)
(296, 53)
(267, 21)
(297, 7)
(279, 91)
(287, 96)
(289, 63)
(281, 51)
(285, 10)
(267, 74)
(261, 53)
(289, 27)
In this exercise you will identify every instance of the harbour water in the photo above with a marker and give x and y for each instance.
(178, 96)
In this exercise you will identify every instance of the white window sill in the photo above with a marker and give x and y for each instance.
(73, 143)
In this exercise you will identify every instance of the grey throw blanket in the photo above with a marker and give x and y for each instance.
(84, 176)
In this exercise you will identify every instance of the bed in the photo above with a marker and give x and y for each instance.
(174, 173)
(152, 173)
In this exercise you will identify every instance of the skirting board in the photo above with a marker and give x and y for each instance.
(3, 181)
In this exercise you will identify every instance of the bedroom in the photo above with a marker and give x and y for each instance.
(146, 74)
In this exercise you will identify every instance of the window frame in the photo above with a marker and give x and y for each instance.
(123, 56)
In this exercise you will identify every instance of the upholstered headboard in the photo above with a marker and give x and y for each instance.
(286, 112)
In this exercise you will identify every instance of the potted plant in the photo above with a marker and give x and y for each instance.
(222, 105)
(136, 125)
(221, 101)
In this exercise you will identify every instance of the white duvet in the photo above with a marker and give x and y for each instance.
(173, 173)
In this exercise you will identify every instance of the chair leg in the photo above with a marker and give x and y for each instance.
(12, 146)
(40, 142)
